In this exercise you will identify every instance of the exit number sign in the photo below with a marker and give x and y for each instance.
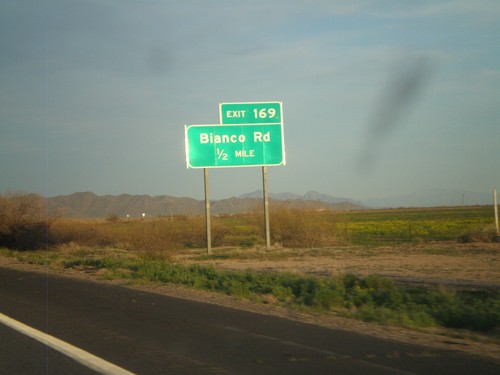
(250, 113)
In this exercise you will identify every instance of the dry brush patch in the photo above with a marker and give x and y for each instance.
(24, 223)
(445, 262)
(23, 215)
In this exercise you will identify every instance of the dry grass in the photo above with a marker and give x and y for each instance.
(450, 263)
(309, 242)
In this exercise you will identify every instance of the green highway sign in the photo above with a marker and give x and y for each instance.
(235, 145)
(250, 113)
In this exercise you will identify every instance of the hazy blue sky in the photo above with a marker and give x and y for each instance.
(379, 97)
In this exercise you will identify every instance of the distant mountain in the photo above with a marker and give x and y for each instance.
(423, 198)
(280, 196)
(309, 196)
(315, 196)
(90, 205)
(432, 198)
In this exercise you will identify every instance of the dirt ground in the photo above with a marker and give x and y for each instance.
(449, 263)
(452, 264)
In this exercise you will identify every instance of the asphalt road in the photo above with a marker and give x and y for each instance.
(146, 333)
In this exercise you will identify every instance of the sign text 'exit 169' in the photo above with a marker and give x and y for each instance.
(250, 113)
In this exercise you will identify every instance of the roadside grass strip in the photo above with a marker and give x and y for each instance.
(371, 299)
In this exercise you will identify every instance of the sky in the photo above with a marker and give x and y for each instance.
(379, 98)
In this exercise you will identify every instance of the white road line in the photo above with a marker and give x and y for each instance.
(79, 355)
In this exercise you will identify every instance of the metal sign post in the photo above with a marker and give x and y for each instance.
(266, 207)
(496, 210)
(207, 212)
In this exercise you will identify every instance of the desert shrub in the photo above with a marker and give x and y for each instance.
(479, 235)
(151, 237)
(23, 221)
(219, 231)
(73, 231)
(477, 310)
(113, 218)
(248, 242)
(301, 228)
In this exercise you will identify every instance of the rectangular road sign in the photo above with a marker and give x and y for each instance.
(234, 145)
(250, 113)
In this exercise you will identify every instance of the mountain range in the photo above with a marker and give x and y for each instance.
(90, 205)
(309, 196)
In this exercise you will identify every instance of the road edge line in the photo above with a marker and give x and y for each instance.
(81, 356)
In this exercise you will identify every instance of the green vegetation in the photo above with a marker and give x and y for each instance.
(423, 224)
(372, 299)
